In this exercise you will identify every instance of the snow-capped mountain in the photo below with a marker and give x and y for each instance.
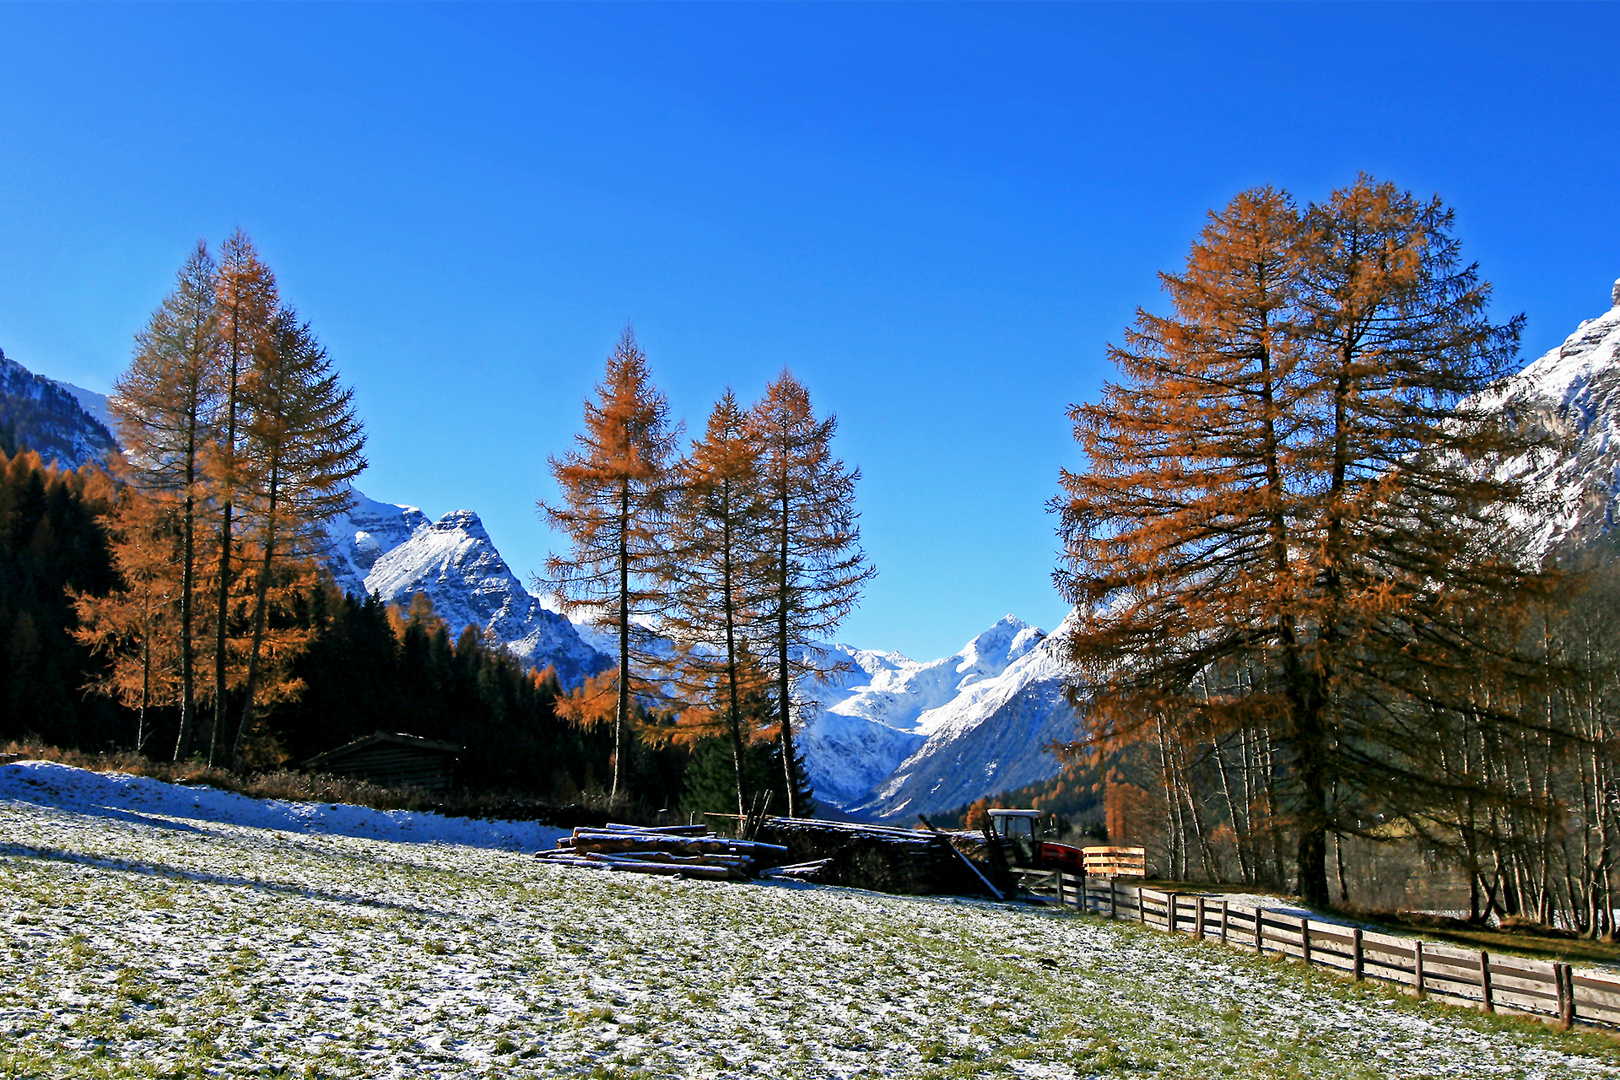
(396, 552)
(63, 423)
(893, 737)
(1574, 391)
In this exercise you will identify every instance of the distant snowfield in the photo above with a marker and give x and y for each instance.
(151, 930)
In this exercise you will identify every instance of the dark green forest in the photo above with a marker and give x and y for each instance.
(366, 668)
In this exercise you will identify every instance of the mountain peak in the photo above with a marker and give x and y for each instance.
(465, 521)
(395, 551)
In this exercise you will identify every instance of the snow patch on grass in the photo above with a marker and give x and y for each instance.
(140, 941)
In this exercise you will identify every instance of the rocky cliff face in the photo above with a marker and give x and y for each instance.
(40, 414)
(396, 552)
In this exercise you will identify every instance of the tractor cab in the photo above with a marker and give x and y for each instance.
(1017, 829)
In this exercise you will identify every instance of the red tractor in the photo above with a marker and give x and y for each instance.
(1019, 831)
(1019, 834)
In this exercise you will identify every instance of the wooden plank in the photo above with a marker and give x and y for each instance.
(1374, 937)
(1377, 950)
(1532, 969)
(1542, 982)
(1589, 1013)
(1596, 983)
(1332, 934)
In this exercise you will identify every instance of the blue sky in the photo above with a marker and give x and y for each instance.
(936, 215)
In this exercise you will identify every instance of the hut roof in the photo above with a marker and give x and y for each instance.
(379, 738)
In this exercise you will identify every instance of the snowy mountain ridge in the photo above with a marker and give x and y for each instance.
(1573, 391)
(887, 736)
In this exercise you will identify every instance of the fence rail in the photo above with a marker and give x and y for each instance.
(1546, 988)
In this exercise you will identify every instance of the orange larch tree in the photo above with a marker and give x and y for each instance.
(1291, 519)
(245, 301)
(614, 494)
(301, 450)
(718, 557)
(816, 567)
(164, 407)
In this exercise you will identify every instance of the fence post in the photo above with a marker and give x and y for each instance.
(1417, 957)
(1223, 920)
(1198, 918)
(1485, 980)
(1170, 904)
(1113, 898)
(1141, 906)
(1259, 930)
(1357, 965)
(1305, 940)
(1564, 975)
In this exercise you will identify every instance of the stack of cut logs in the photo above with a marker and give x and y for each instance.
(690, 851)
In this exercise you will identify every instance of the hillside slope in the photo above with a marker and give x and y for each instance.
(51, 418)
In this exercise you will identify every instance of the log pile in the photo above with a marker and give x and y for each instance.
(687, 851)
(877, 857)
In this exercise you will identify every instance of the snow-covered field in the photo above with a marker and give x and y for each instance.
(160, 931)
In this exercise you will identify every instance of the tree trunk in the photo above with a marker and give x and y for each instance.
(188, 590)
(260, 602)
(784, 682)
(621, 713)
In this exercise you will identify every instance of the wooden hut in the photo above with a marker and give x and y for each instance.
(391, 759)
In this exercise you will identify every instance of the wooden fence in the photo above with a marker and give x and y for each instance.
(1470, 976)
